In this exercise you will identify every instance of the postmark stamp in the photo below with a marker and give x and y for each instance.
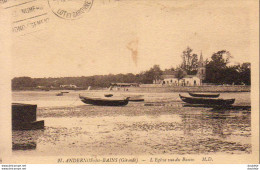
(70, 9)
(26, 16)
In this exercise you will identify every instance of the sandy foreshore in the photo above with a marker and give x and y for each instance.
(75, 128)
(88, 130)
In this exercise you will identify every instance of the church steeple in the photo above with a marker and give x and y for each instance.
(201, 68)
(201, 62)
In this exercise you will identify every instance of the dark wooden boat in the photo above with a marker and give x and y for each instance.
(59, 94)
(104, 101)
(212, 95)
(207, 101)
(136, 100)
(108, 95)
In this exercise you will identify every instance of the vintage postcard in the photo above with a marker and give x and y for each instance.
(129, 81)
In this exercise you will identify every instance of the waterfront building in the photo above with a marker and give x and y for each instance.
(170, 78)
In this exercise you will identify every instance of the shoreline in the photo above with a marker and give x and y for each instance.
(216, 89)
(145, 88)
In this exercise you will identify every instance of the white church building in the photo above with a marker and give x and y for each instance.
(188, 80)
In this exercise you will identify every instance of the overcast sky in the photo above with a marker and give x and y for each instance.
(132, 36)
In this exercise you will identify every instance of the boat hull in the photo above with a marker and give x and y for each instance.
(108, 95)
(103, 102)
(207, 101)
(135, 98)
(211, 95)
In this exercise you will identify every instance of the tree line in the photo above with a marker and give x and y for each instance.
(146, 77)
(218, 68)
(218, 71)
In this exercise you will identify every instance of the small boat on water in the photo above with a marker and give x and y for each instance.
(212, 95)
(110, 101)
(207, 101)
(59, 94)
(135, 98)
(108, 95)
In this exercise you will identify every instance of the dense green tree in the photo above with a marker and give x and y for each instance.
(156, 72)
(245, 73)
(215, 68)
(23, 82)
(218, 71)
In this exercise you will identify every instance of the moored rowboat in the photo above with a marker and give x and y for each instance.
(134, 98)
(59, 94)
(104, 101)
(207, 101)
(108, 95)
(213, 95)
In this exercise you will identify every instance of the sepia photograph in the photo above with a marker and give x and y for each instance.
(130, 82)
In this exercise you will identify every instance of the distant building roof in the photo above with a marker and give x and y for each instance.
(174, 76)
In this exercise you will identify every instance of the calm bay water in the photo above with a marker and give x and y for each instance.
(74, 128)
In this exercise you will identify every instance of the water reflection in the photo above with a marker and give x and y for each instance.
(24, 146)
(218, 123)
(185, 132)
(25, 140)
